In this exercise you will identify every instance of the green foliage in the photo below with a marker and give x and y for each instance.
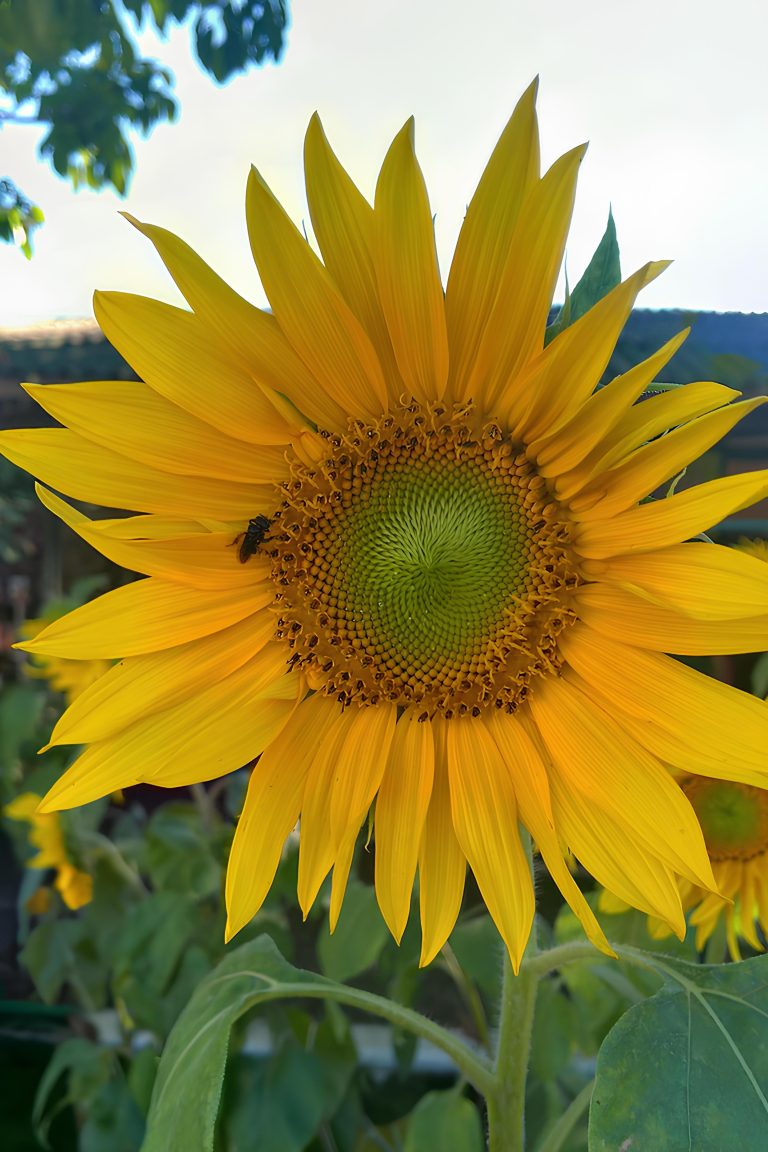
(76, 68)
(359, 938)
(18, 217)
(602, 274)
(687, 1068)
(444, 1120)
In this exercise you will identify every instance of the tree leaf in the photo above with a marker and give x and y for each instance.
(688, 1068)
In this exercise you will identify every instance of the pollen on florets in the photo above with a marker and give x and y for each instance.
(423, 560)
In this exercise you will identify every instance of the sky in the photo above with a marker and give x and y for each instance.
(672, 96)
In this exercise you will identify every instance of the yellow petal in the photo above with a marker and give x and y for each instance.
(186, 358)
(341, 867)
(486, 235)
(360, 766)
(559, 382)
(408, 275)
(206, 560)
(619, 614)
(130, 418)
(442, 864)
(401, 809)
(531, 785)
(706, 581)
(683, 717)
(271, 809)
(146, 616)
(215, 732)
(561, 451)
(650, 466)
(343, 223)
(515, 329)
(316, 849)
(605, 768)
(616, 858)
(309, 309)
(142, 685)
(651, 418)
(88, 472)
(484, 814)
(247, 335)
(673, 519)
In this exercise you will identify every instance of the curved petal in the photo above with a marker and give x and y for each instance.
(408, 276)
(560, 451)
(401, 809)
(645, 421)
(131, 419)
(650, 466)
(515, 329)
(316, 851)
(671, 520)
(142, 685)
(343, 222)
(558, 383)
(531, 785)
(442, 865)
(683, 717)
(246, 334)
(360, 765)
(605, 769)
(146, 616)
(620, 615)
(97, 475)
(205, 560)
(311, 313)
(271, 810)
(706, 581)
(215, 732)
(484, 812)
(182, 358)
(486, 235)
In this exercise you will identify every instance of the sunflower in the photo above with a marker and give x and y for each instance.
(47, 835)
(400, 548)
(734, 819)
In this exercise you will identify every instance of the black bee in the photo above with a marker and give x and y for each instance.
(253, 537)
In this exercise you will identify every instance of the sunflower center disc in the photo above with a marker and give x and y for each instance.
(733, 817)
(423, 560)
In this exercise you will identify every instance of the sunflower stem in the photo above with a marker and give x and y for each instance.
(506, 1103)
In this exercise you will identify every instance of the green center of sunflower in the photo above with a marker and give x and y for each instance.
(733, 817)
(422, 561)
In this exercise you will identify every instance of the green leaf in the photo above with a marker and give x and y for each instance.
(359, 937)
(554, 1029)
(444, 1120)
(185, 1100)
(687, 1069)
(602, 274)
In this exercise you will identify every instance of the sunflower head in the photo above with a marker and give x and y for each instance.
(454, 596)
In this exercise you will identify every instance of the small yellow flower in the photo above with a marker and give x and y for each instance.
(452, 598)
(46, 834)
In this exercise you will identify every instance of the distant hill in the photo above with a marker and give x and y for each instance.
(731, 347)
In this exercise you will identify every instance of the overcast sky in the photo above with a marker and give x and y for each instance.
(671, 94)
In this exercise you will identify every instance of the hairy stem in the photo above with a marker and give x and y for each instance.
(506, 1103)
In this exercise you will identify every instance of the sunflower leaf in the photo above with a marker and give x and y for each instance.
(687, 1068)
(185, 1100)
(601, 275)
